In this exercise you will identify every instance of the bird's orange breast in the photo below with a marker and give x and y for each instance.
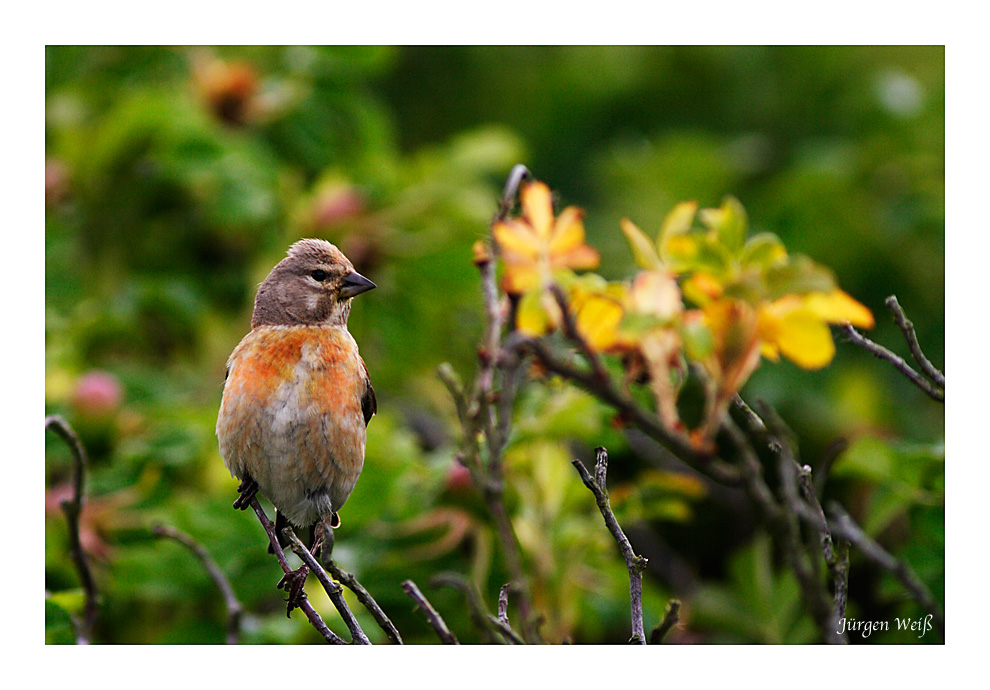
(270, 356)
(291, 414)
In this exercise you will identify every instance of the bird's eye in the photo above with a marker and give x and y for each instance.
(319, 275)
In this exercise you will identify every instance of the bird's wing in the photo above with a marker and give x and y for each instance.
(369, 405)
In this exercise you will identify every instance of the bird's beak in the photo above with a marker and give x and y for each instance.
(354, 284)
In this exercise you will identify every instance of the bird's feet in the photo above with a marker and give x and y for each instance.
(323, 537)
(247, 489)
(293, 583)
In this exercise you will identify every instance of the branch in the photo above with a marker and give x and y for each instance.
(518, 173)
(634, 564)
(349, 581)
(907, 328)
(483, 620)
(670, 618)
(838, 563)
(305, 606)
(503, 602)
(782, 516)
(333, 589)
(842, 523)
(432, 617)
(73, 510)
(235, 611)
(606, 391)
(810, 581)
(879, 351)
(487, 412)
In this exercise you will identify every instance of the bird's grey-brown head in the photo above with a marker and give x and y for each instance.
(313, 285)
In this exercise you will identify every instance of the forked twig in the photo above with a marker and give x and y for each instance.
(73, 510)
(635, 564)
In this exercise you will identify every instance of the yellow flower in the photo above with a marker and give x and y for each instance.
(537, 244)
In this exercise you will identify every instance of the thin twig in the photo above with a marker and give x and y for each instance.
(476, 607)
(491, 626)
(235, 611)
(844, 525)
(487, 412)
(635, 564)
(73, 510)
(879, 351)
(907, 328)
(333, 589)
(782, 516)
(518, 173)
(670, 618)
(570, 330)
(348, 580)
(314, 618)
(432, 617)
(841, 576)
(503, 602)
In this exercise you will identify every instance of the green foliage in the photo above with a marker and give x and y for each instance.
(174, 183)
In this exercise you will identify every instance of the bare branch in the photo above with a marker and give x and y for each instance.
(503, 602)
(570, 330)
(844, 525)
(670, 618)
(235, 611)
(502, 621)
(782, 516)
(879, 351)
(518, 173)
(907, 328)
(307, 608)
(73, 510)
(432, 617)
(606, 391)
(333, 589)
(634, 564)
(349, 581)
(488, 624)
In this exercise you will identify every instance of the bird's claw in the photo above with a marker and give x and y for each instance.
(247, 489)
(293, 583)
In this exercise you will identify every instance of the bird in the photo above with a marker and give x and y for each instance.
(297, 398)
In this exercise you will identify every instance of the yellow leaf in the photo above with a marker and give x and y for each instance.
(537, 206)
(800, 335)
(531, 318)
(520, 277)
(580, 257)
(598, 320)
(702, 288)
(644, 253)
(839, 307)
(568, 231)
(516, 237)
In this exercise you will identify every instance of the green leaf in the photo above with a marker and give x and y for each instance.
(636, 323)
(728, 221)
(798, 276)
(58, 624)
(644, 253)
(698, 252)
(762, 251)
(698, 341)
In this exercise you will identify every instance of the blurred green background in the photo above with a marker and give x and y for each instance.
(177, 177)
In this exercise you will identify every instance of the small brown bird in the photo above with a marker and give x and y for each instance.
(297, 398)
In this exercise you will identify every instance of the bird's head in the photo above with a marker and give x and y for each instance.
(313, 285)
